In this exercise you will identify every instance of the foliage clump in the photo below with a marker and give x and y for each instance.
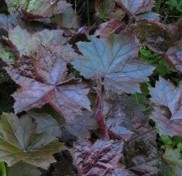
(100, 94)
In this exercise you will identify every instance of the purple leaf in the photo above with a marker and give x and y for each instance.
(42, 74)
(165, 126)
(168, 111)
(174, 55)
(117, 129)
(78, 127)
(8, 22)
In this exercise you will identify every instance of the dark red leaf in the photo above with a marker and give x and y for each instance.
(155, 35)
(100, 158)
(110, 27)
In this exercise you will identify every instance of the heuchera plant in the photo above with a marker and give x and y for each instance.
(39, 58)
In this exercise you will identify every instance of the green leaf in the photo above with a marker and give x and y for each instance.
(23, 169)
(173, 158)
(19, 142)
(3, 169)
(166, 140)
(6, 55)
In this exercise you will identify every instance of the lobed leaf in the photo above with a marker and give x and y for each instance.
(167, 113)
(113, 61)
(19, 142)
(174, 55)
(66, 97)
(41, 73)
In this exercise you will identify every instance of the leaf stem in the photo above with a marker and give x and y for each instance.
(100, 114)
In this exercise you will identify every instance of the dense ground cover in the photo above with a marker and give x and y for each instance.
(90, 88)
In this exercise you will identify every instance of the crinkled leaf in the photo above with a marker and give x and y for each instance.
(174, 55)
(37, 9)
(19, 142)
(136, 7)
(173, 158)
(23, 169)
(167, 113)
(100, 158)
(113, 60)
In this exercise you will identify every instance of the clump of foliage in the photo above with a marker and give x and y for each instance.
(75, 110)
(175, 4)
